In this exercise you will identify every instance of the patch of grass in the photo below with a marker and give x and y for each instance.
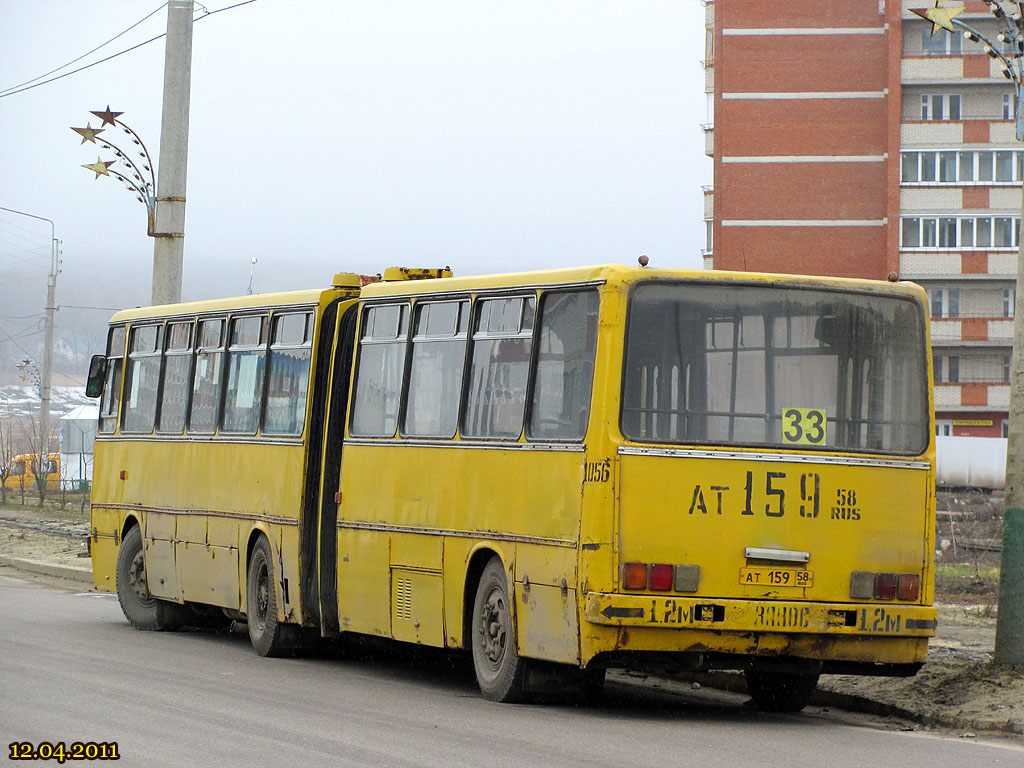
(964, 571)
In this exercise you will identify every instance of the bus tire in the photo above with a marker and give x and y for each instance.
(780, 691)
(500, 671)
(142, 610)
(265, 631)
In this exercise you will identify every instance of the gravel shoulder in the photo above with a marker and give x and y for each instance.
(958, 688)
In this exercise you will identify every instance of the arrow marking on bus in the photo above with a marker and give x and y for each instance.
(611, 612)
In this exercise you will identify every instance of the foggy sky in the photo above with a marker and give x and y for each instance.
(355, 135)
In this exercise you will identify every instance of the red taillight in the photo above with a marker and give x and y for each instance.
(908, 586)
(661, 577)
(634, 576)
(885, 586)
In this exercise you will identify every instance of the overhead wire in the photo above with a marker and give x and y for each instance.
(87, 53)
(5, 94)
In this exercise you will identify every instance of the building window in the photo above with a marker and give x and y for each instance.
(1009, 105)
(709, 232)
(943, 427)
(928, 228)
(940, 106)
(947, 166)
(946, 368)
(966, 166)
(1009, 300)
(1003, 232)
(989, 167)
(911, 232)
(1006, 427)
(940, 44)
(1006, 369)
(909, 168)
(959, 232)
(966, 232)
(945, 302)
(947, 232)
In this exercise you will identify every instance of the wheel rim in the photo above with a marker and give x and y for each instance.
(494, 628)
(262, 596)
(137, 579)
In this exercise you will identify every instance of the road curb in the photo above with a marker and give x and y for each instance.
(734, 682)
(71, 573)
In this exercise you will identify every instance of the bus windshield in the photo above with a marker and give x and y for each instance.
(774, 366)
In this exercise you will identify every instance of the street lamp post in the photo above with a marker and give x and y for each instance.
(1009, 647)
(44, 384)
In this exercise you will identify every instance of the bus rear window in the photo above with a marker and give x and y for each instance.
(775, 366)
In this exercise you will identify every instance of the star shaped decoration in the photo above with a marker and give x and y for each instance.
(99, 167)
(110, 117)
(88, 133)
(939, 17)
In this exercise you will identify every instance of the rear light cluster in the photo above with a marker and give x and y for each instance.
(660, 577)
(865, 585)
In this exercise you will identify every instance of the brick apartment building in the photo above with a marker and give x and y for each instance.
(848, 141)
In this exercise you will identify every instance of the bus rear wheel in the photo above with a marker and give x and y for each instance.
(780, 691)
(500, 671)
(265, 631)
(142, 610)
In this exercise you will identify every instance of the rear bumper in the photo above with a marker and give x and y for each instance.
(874, 619)
(694, 633)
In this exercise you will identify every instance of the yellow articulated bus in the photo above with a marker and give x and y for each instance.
(562, 472)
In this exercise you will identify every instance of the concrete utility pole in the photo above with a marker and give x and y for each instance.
(43, 450)
(169, 232)
(1009, 648)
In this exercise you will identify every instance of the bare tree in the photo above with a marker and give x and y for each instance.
(43, 472)
(7, 453)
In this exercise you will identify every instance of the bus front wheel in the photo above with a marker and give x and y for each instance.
(780, 691)
(265, 631)
(142, 610)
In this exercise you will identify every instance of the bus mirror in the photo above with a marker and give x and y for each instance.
(97, 373)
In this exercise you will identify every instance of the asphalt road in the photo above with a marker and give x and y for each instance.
(71, 669)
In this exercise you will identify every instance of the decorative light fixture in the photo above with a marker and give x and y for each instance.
(133, 168)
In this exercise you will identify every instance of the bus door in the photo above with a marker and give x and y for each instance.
(318, 392)
(333, 427)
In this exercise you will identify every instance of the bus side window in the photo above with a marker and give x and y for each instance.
(175, 377)
(142, 375)
(435, 373)
(247, 357)
(288, 374)
(499, 367)
(564, 377)
(379, 370)
(111, 399)
(206, 376)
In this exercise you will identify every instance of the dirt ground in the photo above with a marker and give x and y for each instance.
(959, 685)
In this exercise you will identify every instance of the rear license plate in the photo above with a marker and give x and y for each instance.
(776, 577)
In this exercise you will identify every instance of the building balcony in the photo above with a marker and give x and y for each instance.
(963, 395)
(709, 202)
(932, 69)
(709, 138)
(966, 331)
